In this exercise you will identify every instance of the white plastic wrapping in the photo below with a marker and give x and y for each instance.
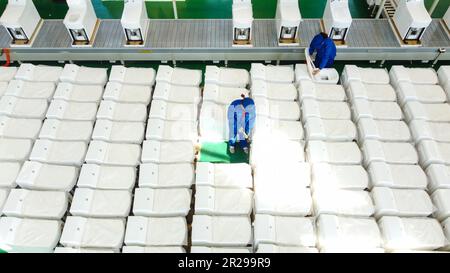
(282, 201)
(422, 93)
(223, 201)
(330, 130)
(61, 153)
(383, 130)
(122, 111)
(224, 175)
(271, 248)
(78, 93)
(162, 202)
(75, 111)
(327, 176)
(222, 95)
(168, 152)
(441, 199)
(274, 91)
(229, 77)
(100, 203)
(42, 73)
(438, 177)
(269, 73)
(30, 90)
(324, 110)
(84, 75)
(107, 177)
(179, 76)
(132, 75)
(19, 127)
(177, 94)
(164, 130)
(424, 130)
(283, 110)
(23, 108)
(432, 152)
(152, 249)
(119, 131)
(113, 154)
(9, 171)
(173, 111)
(371, 92)
(436, 112)
(363, 108)
(346, 153)
(14, 150)
(177, 175)
(321, 92)
(126, 93)
(343, 202)
(397, 176)
(352, 73)
(66, 130)
(389, 152)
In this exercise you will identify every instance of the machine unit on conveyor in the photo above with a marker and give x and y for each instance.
(135, 22)
(446, 20)
(288, 19)
(81, 22)
(411, 21)
(242, 22)
(21, 19)
(337, 20)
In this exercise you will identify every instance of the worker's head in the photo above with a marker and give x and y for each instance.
(243, 96)
(324, 35)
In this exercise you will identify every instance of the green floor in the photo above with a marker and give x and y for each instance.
(56, 9)
(218, 153)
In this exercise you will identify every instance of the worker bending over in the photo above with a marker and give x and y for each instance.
(326, 51)
(241, 120)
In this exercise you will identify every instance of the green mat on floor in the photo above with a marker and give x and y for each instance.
(217, 152)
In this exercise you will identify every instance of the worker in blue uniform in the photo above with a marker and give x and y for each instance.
(241, 120)
(326, 51)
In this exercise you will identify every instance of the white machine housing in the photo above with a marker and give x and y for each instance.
(21, 19)
(242, 22)
(411, 20)
(446, 19)
(337, 20)
(135, 22)
(288, 20)
(81, 22)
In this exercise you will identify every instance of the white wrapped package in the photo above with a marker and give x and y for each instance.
(23, 108)
(444, 75)
(271, 248)
(214, 124)
(46, 177)
(78, 93)
(274, 91)
(162, 202)
(80, 232)
(9, 171)
(132, 75)
(75, 111)
(432, 152)
(14, 150)
(327, 176)
(383, 130)
(400, 73)
(424, 130)
(282, 201)
(441, 199)
(287, 129)
(60, 153)
(429, 112)
(389, 152)
(285, 151)
(19, 127)
(168, 152)
(152, 249)
(113, 154)
(352, 73)
(30, 90)
(122, 111)
(66, 130)
(20, 235)
(38, 73)
(7, 73)
(446, 228)
(321, 92)
(324, 110)
(334, 232)
(205, 249)
(100, 203)
(126, 93)
(343, 202)
(106, 177)
(3, 86)
(330, 130)
(224, 231)
(165, 130)
(119, 131)
(50, 205)
(438, 177)
(422, 93)
(283, 110)
(269, 73)
(222, 95)
(224, 175)
(84, 75)
(3, 197)
(371, 92)
(292, 175)
(376, 110)
(179, 76)
(284, 231)
(82, 250)
(345, 153)
(177, 94)
(343, 250)
(223, 201)
(147, 231)
(153, 175)
(230, 77)
(411, 233)
(397, 176)
(173, 111)
(401, 202)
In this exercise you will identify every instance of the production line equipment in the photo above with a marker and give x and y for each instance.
(337, 21)
(81, 22)
(242, 23)
(288, 20)
(135, 22)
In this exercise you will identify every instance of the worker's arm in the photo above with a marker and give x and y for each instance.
(251, 110)
(232, 126)
(327, 55)
(315, 43)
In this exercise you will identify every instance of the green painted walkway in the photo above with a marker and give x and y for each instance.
(218, 153)
(204, 9)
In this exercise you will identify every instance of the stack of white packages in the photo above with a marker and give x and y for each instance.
(281, 176)
(222, 87)
(223, 204)
(32, 212)
(163, 199)
(101, 201)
